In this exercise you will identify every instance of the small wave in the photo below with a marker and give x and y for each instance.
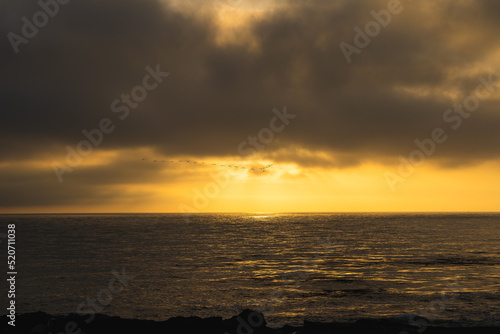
(352, 292)
(457, 261)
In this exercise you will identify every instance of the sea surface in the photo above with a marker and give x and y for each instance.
(319, 267)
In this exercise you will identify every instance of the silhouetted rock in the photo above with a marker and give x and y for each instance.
(247, 322)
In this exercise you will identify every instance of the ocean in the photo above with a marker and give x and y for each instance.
(436, 268)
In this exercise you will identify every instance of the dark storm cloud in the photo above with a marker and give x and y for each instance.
(65, 79)
(89, 185)
(29, 187)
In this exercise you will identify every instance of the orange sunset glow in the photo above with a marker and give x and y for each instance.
(257, 106)
(250, 166)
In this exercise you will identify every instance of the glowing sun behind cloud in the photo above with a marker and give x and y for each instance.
(230, 64)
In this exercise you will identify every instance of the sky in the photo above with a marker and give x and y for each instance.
(323, 106)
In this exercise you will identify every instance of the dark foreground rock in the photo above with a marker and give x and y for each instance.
(247, 322)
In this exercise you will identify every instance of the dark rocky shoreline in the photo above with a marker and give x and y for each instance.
(247, 322)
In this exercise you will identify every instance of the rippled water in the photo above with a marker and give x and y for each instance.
(322, 267)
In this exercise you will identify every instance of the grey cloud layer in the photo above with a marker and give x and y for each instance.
(65, 79)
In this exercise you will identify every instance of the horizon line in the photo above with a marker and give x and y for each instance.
(234, 212)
